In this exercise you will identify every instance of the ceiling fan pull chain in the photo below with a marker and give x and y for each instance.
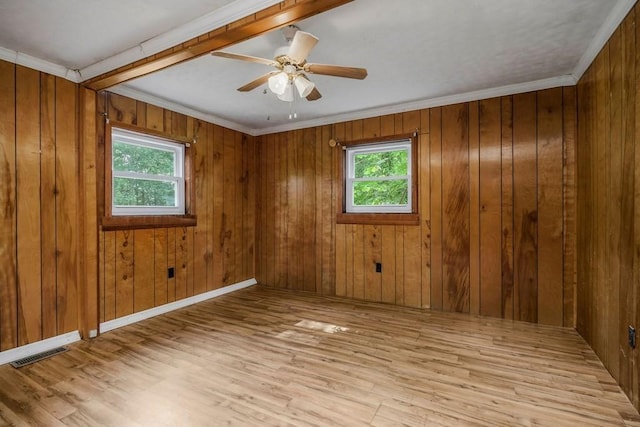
(292, 109)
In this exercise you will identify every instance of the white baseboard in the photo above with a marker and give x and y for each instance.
(9, 356)
(136, 317)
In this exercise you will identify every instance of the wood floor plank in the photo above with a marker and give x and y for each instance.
(270, 357)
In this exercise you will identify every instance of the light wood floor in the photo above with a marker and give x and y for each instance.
(264, 357)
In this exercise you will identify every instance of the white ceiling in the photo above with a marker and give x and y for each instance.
(418, 53)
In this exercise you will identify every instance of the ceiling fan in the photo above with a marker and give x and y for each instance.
(291, 65)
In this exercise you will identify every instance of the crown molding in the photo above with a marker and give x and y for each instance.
(216, 19)
(613, 21)
(32, 62)
(139, 95)
(566, 80)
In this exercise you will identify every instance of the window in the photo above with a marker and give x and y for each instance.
(379, 177)
(379, 181)
(147, 175)
(147, 182)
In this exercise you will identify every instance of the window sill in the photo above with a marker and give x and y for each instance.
(139, 222)
(378, 218)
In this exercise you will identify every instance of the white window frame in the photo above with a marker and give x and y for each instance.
(350, 179)
(158, 143)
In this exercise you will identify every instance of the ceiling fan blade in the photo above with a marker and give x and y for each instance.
(245, 58)
(337, 71)
(301, 45)
(314, 95)
(257, 82)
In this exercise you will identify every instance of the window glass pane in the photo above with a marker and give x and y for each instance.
(147, 160)
(143, 192)
(381, 164)
(377, 193)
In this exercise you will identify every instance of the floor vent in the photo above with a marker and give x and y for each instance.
(37, 357)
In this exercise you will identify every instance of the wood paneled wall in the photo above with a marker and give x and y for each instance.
(38, 206)
(218, 252)
(497, 221)
(609, 204)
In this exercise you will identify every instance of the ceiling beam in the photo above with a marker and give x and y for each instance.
(277, 16)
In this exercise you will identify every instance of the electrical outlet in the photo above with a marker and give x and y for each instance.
(378, 267)
(632, 336)
(171, 272)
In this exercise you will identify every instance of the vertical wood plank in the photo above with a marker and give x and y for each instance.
(455, 208)
(200, 232)
(182, 259)
(67, 205)
(28, 205)
(349, 259)
(270, 211)
(435, 144)
(8, 237)
(525, 208)
(171, 263)
(424, 207)
(613, 205)
(399, 267)
(260, 223)
(569, 202)
(387, 126)
(474, 208)
(160, 257)
(101, 266)
(319, 214)
(238, 238)
(309, 208)
(88, 242)
(583, 247)
(358, 261)
(123, 273)
(143, 270)
(48, 204)
(155, 118)
(282, 216)
(507, 208)
(599, 185)
(628, 286)
(293, 246)
(208, 218)
(190, 240)
(410, 123)
(490, 208)
(634, 389)
(141, 114)
(341, 261)
(329, 213)
(110, 272)
(412, 272)
(249, 207)
(549, 205)
(217, 199)
(388, 254)
(371, 127)
(228, 215)
(122, 109)
(372, 255)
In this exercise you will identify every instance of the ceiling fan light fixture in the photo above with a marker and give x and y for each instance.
(278, 83)
(304, 86)
(287, 94)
